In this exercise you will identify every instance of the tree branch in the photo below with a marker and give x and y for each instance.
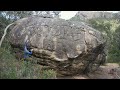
(5, 32)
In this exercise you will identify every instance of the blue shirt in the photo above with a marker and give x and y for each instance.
(26, 52)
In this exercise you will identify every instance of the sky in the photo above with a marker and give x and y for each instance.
(69, 14)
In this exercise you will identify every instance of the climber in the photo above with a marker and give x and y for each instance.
(26, 52)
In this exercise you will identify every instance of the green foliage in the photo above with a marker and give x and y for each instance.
(7, 69)
(104, 25)
(48, 74)
(110, 28)
(114, 52)
(3, 23)
(11, 68)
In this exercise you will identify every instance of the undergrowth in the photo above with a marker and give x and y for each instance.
(11, 68)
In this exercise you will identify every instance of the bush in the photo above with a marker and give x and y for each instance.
(7, 68)
(48, 74)
(11, 68)
(109, 27)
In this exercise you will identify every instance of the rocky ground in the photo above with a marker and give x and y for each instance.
(104, 72)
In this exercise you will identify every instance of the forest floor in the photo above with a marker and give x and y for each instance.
(102, 73)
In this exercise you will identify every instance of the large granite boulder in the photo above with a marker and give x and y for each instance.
(68, 47)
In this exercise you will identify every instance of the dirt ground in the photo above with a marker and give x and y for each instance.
(104, 72)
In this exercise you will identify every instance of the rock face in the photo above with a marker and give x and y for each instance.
(86, 15)
(68, 47)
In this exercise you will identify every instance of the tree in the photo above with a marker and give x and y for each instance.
(111, 29)
(3, 23)
(15, 15)
(117, 16)
(51, 13)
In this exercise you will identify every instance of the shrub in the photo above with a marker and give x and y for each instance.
(11, 68)
(109, 27)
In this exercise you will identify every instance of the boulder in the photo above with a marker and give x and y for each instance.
(66, 46)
